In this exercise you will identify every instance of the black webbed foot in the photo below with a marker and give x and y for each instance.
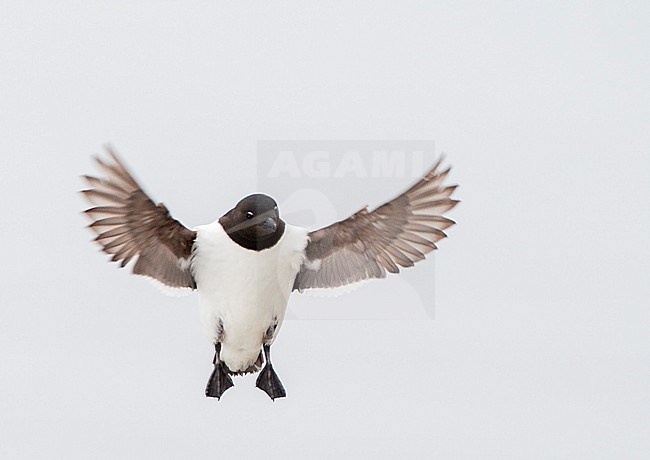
(220, 380)
(268, 381)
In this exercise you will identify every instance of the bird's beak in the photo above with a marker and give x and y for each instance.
(270, 224)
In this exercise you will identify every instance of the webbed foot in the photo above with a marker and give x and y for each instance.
(268, 381)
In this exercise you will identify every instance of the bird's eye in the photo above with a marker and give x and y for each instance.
(249, 215)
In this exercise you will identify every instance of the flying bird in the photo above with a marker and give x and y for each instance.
(245, 264)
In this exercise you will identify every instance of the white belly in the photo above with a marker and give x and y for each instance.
(243, 292)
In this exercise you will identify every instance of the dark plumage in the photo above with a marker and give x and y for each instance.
(369, 243)
(129, 224)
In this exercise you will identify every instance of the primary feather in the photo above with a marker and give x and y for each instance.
(370, 243)
(130, 226)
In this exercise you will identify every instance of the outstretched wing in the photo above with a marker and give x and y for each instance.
(369, 243)
(128, 225)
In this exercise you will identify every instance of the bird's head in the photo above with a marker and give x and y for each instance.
(254, 223)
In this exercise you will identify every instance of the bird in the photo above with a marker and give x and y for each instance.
(247, 263)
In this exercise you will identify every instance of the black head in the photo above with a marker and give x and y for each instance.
(254, 223)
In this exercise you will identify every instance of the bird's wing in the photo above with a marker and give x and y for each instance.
(129, 225)
(369, 243)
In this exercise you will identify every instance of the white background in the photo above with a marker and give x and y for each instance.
(540, 345)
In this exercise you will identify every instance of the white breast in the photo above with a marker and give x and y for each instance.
(246, 291)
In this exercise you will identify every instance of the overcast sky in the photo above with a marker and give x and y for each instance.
(539, 344)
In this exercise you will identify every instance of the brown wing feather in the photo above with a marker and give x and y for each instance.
(370, 243)
(128, 225)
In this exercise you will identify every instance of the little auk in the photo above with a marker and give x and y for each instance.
(246, 263)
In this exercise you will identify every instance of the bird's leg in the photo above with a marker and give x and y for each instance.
(219, 381)
(268, 380)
